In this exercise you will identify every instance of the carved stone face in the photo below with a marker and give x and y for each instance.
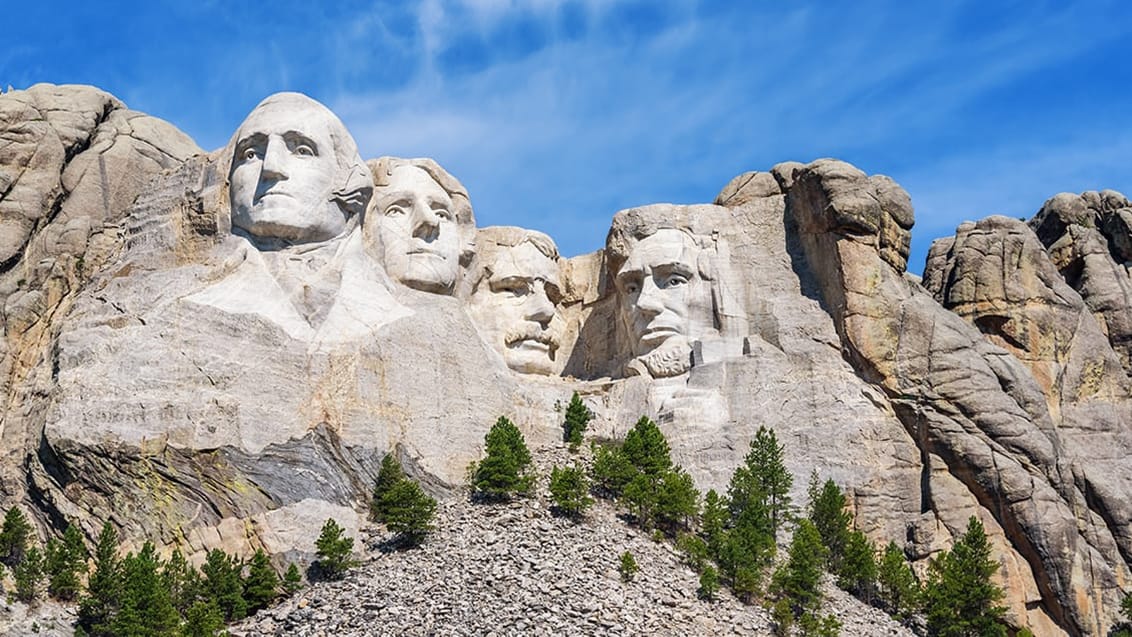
(515, 308)
(417, 226)
(283, 174)
(664, 302)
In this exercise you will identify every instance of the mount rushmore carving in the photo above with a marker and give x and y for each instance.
(216, 349)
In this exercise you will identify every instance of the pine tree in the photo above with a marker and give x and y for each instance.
(578, 417)
(145, 608)
(762, 480)
(646, 448)
(221, 582)
(677, 501)
(959, 598)
(182, 581)
(14, 535)
(570, 490)
(389, 476)
(858, 572)
(611, 471)
(28, 574)
(65, 562)
(503, 471)
(409, 512)
(799, 579)
(897, 586)
(203, 619)
(103, 588)
(262, 584)
(334, 549)
(628, 567)
(746, 551)
(292, 580)
(709, 584)
(714, 522)
(827, 512)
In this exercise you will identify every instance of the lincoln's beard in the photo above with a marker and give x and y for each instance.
(673, 357)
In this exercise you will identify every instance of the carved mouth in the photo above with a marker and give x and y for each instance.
(656, 333)
(537, 342)
(428, 252)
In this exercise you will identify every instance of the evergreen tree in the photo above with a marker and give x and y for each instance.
(827, 512)
(14, 535)
(578, 417)
(898, 588)
(181, 580)
(389, 476)
(570, 490)
(641, 496)
(646, 448)
(334, 549)
(221, 582)
(503, 471)
(145, 608)
(762, 480)
(103, 588)
(262, 584)
(203, 619)
(746, 551)
(611, 471)
(695, 551)
(677, 501)
(28, 574)
(292, 580)
(959, 598)
(858, 572)
(714, 522)
(798, 580)
(65, 562)
(628, 567)
(709, 584)
(409, 511)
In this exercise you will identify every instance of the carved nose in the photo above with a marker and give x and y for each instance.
(648, 299)
(426, 222)
(274, 160)
(539, 307)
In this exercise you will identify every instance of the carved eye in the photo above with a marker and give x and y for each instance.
(304, 150)
(673, 280)
(632, 287)
(249, 154)
(394, 211)
(444, 213)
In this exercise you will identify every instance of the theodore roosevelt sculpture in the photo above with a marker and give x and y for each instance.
(423, 223)
(515, 299)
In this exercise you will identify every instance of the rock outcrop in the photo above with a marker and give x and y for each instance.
(216, 349)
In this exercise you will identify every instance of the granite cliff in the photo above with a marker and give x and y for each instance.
(215, 349)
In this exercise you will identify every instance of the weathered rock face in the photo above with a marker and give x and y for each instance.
(239, 336)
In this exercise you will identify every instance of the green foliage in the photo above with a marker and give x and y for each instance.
(334, 549)
(646, 448)
(182, 581)
(145, 608)
(714, 521)
(203, 619)
(578, 417)
(695, 551)
(503, 471)
(611, 471)
(745, 552)
(262, 584)
(28, 574)
(827, 512)
(103, 588)
(810, 624)
(570, 490)
(389, 476)
(409, 511)
(221, 582)
(798, 580)
(292, 580)
(897, 587)
(65, 562)
(762, 481)
(1126, 607)
(677, 500)
(1124, 628)
(959, 597)
(628, 567)
(14, 536)
(858, 573)
(709, 584)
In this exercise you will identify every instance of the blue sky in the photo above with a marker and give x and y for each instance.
(557, 113)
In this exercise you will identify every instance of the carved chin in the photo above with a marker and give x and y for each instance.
(672, 358)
